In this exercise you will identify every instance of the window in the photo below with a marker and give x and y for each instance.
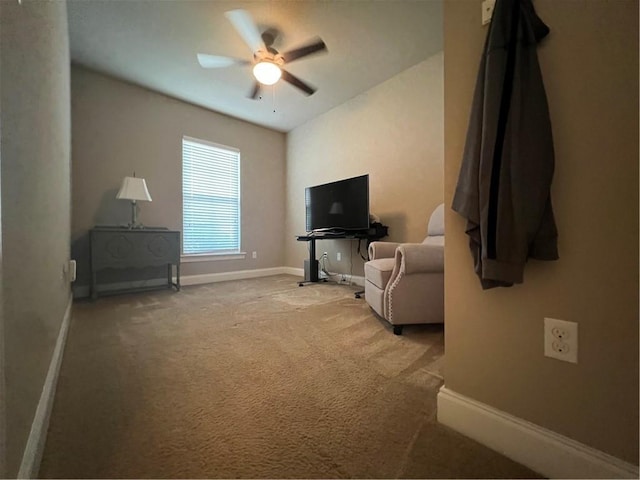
(210, 198)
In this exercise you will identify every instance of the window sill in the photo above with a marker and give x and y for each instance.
(213, 257)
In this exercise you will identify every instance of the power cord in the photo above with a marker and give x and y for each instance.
(340, 278)
(366, 259)
(323, 267)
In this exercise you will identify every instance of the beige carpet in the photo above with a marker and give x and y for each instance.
(254, 379)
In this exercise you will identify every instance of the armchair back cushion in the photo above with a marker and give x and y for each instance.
(436, 222)
(435, 229)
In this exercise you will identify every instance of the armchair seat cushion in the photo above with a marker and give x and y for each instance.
(379, 271)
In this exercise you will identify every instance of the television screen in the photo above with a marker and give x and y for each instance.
(341, 205)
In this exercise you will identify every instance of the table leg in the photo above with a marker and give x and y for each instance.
(94, 290)
(313, 270)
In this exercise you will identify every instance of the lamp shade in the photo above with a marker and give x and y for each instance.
(267, 73)
(133, 188)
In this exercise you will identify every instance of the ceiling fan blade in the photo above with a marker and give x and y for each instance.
(256, 91)
(296, 82)
(316, 46)
(217, 61)
(247, 29)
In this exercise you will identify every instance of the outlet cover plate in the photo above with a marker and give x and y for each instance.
(561, 340)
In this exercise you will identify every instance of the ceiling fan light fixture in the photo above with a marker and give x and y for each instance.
(267, 73)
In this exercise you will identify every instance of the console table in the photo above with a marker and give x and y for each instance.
(121, 247)
(369, 235)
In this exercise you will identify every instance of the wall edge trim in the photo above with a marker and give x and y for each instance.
(30, 465)
(542, 450)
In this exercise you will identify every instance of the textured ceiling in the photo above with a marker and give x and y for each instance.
(153, 43)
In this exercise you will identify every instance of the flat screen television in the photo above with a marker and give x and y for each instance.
(338, 206)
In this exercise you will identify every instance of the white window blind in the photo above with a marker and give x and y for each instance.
(210, 198)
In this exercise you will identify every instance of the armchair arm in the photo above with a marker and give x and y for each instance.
(382, 250)
(420, 258)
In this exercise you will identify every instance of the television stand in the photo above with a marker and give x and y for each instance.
(368, 235)
(313, 263)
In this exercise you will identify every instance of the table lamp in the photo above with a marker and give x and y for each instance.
(134, 189)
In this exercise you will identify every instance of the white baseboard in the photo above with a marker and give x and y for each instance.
(544, 451)
(37, 436)
(82, 291)
(225, 276)
(299, 272)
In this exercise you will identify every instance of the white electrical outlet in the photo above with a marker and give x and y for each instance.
(561, 340)
(339, 256)
(254, 255)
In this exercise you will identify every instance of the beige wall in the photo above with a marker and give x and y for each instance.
(494, 339)
(35, 174)
(119, 128)
(393, 132)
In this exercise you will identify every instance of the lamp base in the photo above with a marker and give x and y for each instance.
(137, 226)
(134, 217)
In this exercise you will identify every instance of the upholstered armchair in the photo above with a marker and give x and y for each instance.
(404, 282)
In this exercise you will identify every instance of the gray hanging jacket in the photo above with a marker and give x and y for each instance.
(504, 183)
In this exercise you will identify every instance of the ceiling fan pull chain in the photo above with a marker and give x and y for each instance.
(273, 89)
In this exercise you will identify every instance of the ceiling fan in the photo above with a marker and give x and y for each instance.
(267, 61)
